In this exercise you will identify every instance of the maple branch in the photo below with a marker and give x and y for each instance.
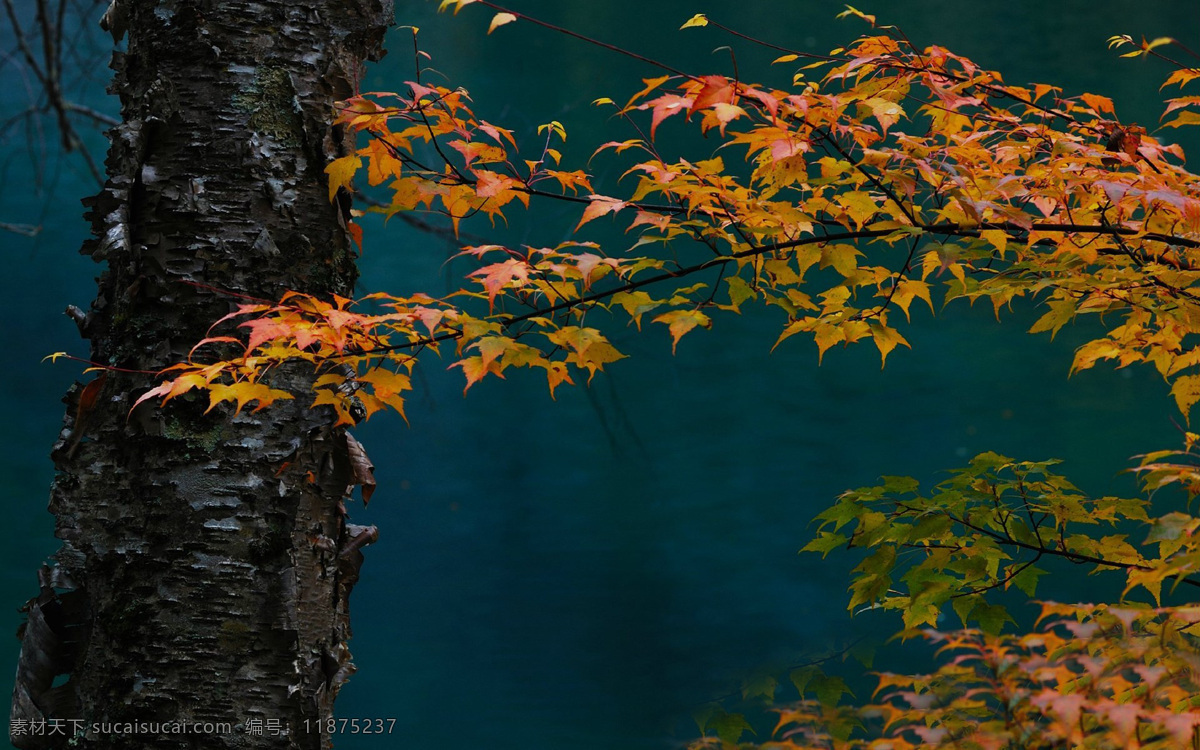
(649, 207)
(1050, 226)
(827, 137)
(768, 45)
(433, 140)
(588, 39)
(1036, 525)
(948, 229)
(1173, 61)
(1075, 557)
(905, 269)
(416, 223)
(1140, 261)
(1009, 575)
(629, 286)
(460, 179)
(710, 263)
(990, 88)
(98, 366)
(935, 188)
(1188, 50)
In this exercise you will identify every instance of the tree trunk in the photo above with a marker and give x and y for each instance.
(206, 560)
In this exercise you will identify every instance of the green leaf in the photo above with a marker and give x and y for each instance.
(924, 610)
(989, 461)
(873, 577)
(759, 685)
(900, 484)
(846, 509)
(830, 689)
(991, 617)
(931, 526)
(802, 676)
(703, 715)
(739, 291)
(1170, 527)
(730, 727)
(1027, 579)
(964, 605)
(864, 653)
(825, 543)
(873, 527)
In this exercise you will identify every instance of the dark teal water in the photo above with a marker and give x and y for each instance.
(583, 573)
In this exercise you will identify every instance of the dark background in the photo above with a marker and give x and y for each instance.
(584, 573)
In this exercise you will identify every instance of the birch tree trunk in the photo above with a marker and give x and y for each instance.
(206, 560)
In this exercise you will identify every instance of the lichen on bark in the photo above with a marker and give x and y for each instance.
(270, 101)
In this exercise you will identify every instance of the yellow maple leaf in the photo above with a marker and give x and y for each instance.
(886, 338)
(499, 20)
(599, 206)
(341, 171)
(679, 322)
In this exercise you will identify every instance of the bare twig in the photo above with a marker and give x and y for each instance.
(26, 230)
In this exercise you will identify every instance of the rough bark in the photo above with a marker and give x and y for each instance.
(206, 559)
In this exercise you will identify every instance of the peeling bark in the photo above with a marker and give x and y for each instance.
(206, 561)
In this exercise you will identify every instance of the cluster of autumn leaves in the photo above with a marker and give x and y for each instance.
(1092, 676)
(884, 175)
(1063, 686)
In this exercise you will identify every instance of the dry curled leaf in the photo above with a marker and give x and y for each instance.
(362, 471)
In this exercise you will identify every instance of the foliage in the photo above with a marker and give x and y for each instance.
(989, 190)
(1094, 676)
(985, 529)
(884, 175)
